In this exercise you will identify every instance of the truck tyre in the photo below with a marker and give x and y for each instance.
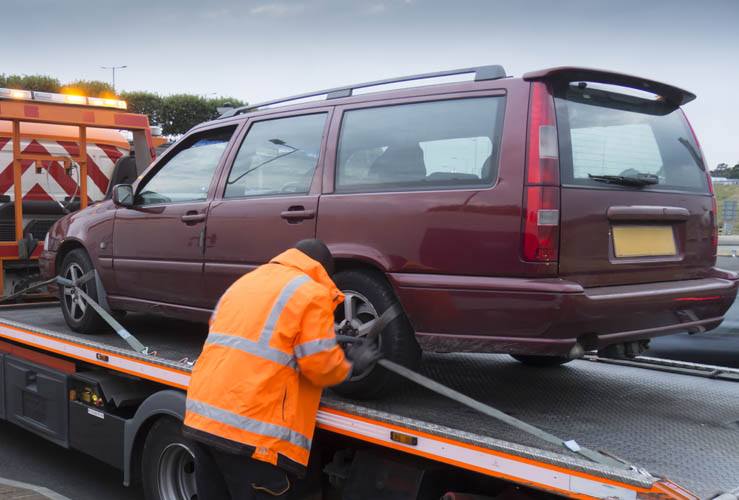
(77, 313)
(169, 460)
(541, 361)
(371, 295)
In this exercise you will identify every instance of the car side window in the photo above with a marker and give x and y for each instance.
(429, 145)
(187, 174)
(277, 157)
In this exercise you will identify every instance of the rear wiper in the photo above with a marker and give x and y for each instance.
(627, 180)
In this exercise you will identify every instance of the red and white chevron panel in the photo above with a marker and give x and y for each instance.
(53, 182)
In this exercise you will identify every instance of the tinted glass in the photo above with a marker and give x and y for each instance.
(430, 145)
(187, 175)
(277, 157)
(602, 133)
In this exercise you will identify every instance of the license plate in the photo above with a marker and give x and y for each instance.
(643, 241)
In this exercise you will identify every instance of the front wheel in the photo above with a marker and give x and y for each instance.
(541, 361)
(367, 296)
(77, 312)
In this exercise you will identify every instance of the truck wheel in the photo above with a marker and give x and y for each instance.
(368, 295)
(541, 361)
(169, 460)
(77, 313)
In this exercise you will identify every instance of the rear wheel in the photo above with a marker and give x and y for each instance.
(367, 296)
(169, 463)
(542, 361)
(77, 313)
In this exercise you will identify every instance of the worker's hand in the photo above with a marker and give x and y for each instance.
(363, 357)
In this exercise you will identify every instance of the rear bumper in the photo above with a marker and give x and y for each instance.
(548, 316)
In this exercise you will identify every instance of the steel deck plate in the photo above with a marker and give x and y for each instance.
(683, 427)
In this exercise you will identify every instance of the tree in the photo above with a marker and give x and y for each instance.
(147, 103)
(40, 83)
(181, 112)
(91, 88)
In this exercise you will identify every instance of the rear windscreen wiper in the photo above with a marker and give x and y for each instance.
(627, 180)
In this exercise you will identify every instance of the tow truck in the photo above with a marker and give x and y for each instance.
(669, 429)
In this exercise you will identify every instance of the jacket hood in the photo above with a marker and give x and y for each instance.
(296, 259)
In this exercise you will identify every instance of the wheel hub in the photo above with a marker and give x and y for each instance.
(73, 301)
(176, 474)
(357, 311)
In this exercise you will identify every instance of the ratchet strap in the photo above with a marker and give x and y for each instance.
(119, 329)
(389, 315)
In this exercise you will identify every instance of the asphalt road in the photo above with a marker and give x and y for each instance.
(30, 459)
(718, 347)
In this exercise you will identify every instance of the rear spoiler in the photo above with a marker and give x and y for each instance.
(673, 95)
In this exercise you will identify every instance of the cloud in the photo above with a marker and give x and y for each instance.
(277, 9)
(376, 8)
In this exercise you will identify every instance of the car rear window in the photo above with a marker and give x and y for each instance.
(429, 145)
(602, 133)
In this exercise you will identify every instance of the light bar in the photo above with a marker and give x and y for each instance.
(79, 100)
(16, 94)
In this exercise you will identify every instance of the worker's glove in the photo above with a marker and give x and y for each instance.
(363, 357)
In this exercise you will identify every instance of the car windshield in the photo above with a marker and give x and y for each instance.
(626, 142)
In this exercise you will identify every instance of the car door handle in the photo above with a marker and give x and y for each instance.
(295, 214)
(193, 218)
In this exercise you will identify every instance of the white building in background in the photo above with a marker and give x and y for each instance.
(724, 180)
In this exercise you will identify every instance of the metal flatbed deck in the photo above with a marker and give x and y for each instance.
(678, 426)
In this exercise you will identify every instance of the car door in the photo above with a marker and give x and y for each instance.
(268, 200)
(158, 243)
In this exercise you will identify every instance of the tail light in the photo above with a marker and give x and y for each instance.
(714, 207)
(541, 224)
(714, 220)
(541, 202)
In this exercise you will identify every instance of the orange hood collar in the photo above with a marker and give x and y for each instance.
(296, 259)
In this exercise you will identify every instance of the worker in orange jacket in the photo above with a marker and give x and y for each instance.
(254, 392)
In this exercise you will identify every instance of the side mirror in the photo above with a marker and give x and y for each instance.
(123, 195)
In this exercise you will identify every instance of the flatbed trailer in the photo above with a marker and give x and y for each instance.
(680, 430)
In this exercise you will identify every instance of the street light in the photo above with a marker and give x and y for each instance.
(113, 68)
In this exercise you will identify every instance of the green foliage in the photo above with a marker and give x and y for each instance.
(176, 113)
(181, 112)
(146, 103)
(41, 83)
(728, 172)
(91, 88)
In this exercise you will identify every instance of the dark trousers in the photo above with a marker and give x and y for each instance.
(240, 478)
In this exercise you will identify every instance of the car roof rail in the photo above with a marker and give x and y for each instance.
(492, 72)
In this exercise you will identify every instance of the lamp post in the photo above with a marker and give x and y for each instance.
(113, 68)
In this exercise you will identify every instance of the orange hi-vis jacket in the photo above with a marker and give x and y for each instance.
(270, 350)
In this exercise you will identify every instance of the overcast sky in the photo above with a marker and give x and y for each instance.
(259, 49)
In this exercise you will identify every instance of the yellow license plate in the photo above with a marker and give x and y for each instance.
(643, 241)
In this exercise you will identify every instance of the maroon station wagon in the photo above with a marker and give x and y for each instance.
(544, 216)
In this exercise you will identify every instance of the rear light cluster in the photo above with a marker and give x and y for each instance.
(714, 207)
(541, 203)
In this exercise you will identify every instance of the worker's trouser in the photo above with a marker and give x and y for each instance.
(240, 478)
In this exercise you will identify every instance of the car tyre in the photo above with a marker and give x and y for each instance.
(168, 463)
(79, 316)
(397, 342)
(541, 361)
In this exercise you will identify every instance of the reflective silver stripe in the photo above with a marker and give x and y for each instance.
(274, 315)
(252, 347)
(248, 424)
(314, 346)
